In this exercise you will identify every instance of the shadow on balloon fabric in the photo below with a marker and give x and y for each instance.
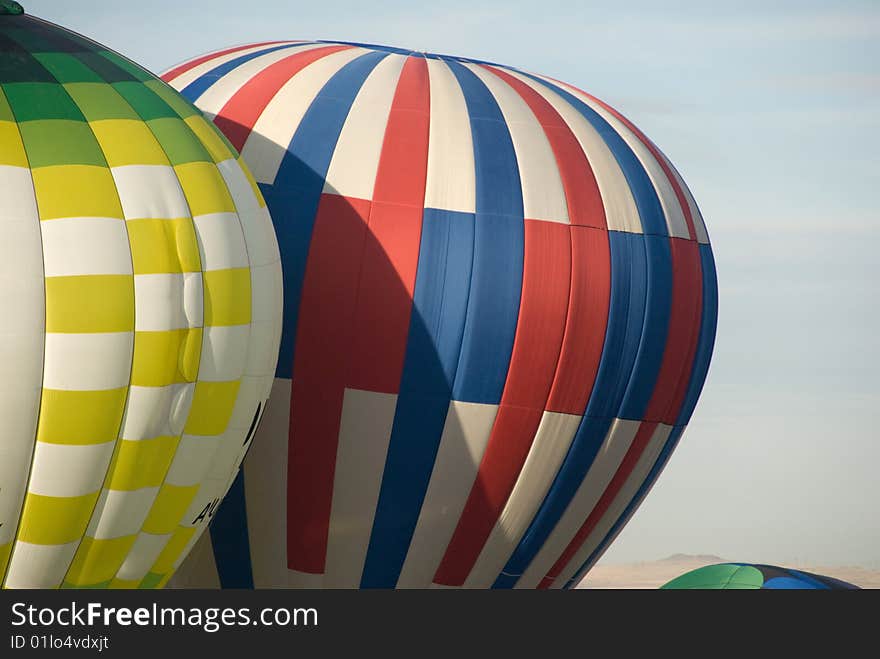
(361, 452)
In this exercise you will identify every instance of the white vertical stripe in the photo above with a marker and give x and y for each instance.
(198, 569)
(621, 501)
(621, 213)
(266, 281)
(256, 224)
(187, 548)
(22, 332)
(462, 445)
(299, 580)
(549, 448)
(187, 77)
(543, 194)
(364, 435)
(266, 145)
(699, 225)
(605, 464)
(264, 337)
(451, 180)
(675, 222)
(352, 171)
(265, 484)
(219, 93)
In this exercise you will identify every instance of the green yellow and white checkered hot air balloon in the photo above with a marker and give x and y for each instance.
(140, 299)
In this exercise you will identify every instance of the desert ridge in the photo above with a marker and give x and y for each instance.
(653, 574)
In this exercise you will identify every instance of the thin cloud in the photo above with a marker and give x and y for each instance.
(840, 81)
(826, 25)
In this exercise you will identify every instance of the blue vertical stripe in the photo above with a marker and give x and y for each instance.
(201, 84)
(655, 329)
(496, 277)
(229, 539)
(626, 322)
(702, 357)
(662, 459)
(584, 447)
(486, 307)
(626, 314)
(637, 331)
(647, 202)
(706, 341)
(440, 302)
(294, 195)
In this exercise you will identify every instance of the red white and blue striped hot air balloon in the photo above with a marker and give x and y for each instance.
(500, 306)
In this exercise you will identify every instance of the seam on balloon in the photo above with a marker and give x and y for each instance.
(14, 540)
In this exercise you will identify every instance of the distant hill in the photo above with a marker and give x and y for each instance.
(708, 559)
(653, 574)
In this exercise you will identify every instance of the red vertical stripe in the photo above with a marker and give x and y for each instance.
(324, 331)
(354, 313)
(640, 441)
(586, 323)
(683, 333)
(546, 277)
(169, 76)
(561, 378)
(678, 356)
(679, 194)
(590, 258)
(669, 390)
(391, 252)
(585, 206)
(237, 118)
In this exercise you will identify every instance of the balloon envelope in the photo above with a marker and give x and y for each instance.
(744, 576)
(140, 286)
(499, 310)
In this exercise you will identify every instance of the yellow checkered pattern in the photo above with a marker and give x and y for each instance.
(169, 247)
(103, 303)
(11, 148)
(75, 410)
(5, 550)
(214, 487)
(123, 517)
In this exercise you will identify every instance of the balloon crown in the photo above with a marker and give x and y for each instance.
(10, 8)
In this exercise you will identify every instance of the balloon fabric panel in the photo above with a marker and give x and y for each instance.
(140, 241)
(510, 355)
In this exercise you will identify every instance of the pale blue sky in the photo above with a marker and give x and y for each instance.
(773, 117)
